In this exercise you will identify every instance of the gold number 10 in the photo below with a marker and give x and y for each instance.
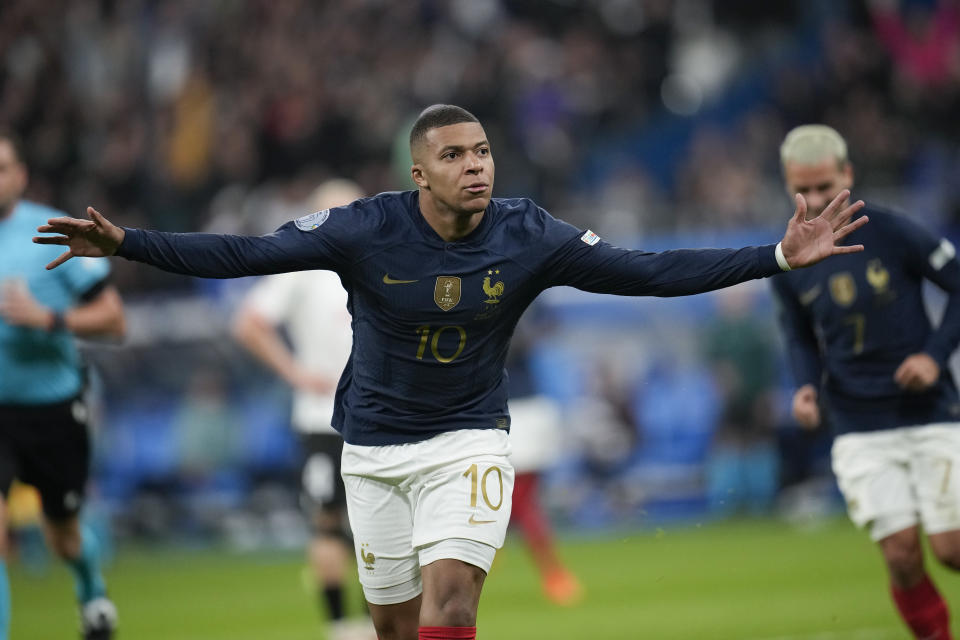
(424, 332)
(474, 474)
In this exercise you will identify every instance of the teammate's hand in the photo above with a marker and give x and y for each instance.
(95, 238)
(806, 411)
(20, 309)
(807, 242)
(917, 373)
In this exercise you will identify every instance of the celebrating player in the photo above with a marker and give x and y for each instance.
(43, 420)
(437, 279)
(864, 352)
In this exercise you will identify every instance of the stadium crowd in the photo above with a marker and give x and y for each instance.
(183, 115)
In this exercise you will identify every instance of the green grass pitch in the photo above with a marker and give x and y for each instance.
(750, 580)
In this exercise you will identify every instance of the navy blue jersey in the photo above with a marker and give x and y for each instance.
(432, 320)
(850, 322)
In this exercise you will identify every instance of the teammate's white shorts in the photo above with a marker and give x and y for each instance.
(896, 478)
(412, 504)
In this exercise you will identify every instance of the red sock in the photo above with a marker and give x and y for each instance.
(448, 633)
(924, 610)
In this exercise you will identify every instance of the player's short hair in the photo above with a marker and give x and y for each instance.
(14, 141)
(811, 143)
(438, 115)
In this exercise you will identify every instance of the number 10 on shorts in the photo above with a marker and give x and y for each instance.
(484, 480)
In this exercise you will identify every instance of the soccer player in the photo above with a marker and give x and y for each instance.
(869, 362)
(312, 306)
(436, 280)
(44, 439)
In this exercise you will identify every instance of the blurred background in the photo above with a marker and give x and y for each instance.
(655, 123)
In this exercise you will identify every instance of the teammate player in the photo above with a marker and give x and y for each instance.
(312, 305)
(864, 352)
(43, 419)
(437, 279)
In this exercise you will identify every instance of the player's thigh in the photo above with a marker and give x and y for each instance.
(935, 473)
(872, 471)
(468, 498)
(55, 457)
(323, 497)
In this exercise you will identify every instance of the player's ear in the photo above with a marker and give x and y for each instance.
(416, 172)
(848, 174)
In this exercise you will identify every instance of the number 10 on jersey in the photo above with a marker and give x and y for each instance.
(425, 331)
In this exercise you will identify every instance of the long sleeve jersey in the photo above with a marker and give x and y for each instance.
(432, 320)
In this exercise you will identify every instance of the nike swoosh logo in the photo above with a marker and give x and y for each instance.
(473, 520)
(388, 280)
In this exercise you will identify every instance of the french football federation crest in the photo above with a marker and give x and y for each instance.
(446, 293)
(877, 276)
(493, 291)
(843, 289)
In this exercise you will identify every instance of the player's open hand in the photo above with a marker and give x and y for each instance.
(806, 411)
(807, 242)
(917, 372)
(95, 238)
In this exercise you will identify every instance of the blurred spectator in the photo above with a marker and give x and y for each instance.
(742, 469)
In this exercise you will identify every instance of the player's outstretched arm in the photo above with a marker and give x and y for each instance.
(95, 238)
(807, 242)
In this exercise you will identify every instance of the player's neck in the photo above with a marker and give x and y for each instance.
(449, 224)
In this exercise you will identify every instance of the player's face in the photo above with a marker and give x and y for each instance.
(818, 183)
(13, 177)
(455, 167)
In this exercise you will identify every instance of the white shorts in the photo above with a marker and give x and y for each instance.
(896, 478)
(411, 504)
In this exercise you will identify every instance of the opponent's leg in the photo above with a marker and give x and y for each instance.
(559, 584)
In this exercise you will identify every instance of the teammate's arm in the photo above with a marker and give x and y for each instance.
(802, 352)
(935, 259)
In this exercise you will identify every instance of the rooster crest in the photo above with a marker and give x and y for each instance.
(494, 290)
(367, 557)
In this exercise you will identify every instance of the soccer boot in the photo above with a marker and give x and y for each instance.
(98, 619)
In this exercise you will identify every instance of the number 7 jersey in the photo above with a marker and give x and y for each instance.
(850, 322)
(432, 320)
